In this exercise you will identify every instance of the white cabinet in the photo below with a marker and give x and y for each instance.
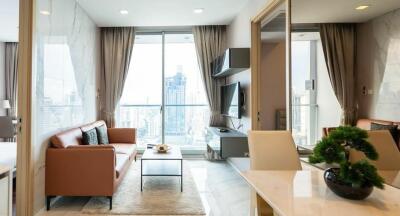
(5, 191)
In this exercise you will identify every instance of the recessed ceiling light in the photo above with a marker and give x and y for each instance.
(362, 7)
(198, 10)
(123, 12)
(45, 12)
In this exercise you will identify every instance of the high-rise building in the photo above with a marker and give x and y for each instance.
(175, 92)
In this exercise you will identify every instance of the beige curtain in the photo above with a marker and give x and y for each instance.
(210, 42)
(338, 42)
(11, 68)
(116, 51)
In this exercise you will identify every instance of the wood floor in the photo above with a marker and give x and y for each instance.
(222, 190)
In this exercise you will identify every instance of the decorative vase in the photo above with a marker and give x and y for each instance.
(343, 189)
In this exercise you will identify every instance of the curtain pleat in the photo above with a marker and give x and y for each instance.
(11, 69)
(116, 51)
(210, 42)
(338, 42)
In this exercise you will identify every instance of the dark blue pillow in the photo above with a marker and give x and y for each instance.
(102, 135)
(90, 137)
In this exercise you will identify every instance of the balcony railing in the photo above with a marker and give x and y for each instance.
(185, 124)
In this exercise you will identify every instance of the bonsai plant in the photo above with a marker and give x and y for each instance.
(350, 180)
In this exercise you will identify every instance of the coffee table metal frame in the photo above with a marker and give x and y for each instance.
(160, 174)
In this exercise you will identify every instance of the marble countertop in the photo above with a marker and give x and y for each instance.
(305, 193)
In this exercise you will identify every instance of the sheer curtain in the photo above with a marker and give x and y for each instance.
(338, 42)
(210, 42)
(116, 51)
(11, 68)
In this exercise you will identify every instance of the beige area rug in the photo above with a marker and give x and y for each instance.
(160, 196)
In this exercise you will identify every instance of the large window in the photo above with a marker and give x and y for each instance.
(164, 96)
(314, 104)
(304, 108)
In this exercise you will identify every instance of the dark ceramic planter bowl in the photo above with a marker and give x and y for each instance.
(345, 190)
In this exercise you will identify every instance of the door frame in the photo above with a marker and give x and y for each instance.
(255, 62)
(25, 168)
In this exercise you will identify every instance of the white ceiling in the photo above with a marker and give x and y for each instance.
(162, 12)
(337, 11)
(9, 20)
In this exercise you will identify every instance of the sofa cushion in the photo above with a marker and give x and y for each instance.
(128, 149)
(67, 138)
(122, 135)
(393, 129)
(90, 137)
(93, 125)
(102, 136)
(122, 161)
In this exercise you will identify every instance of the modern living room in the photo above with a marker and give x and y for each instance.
(201, 108)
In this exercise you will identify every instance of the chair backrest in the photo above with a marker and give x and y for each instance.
(389, 155)
(6, 127)
(273, 150)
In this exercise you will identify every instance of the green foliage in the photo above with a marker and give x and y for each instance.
(334, 149)
(360, 173)
(327, 150)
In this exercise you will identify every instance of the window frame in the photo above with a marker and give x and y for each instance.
(163, 105)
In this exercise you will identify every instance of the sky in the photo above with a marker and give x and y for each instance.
(144, 81)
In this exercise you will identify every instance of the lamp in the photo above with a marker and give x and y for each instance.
(5, 104)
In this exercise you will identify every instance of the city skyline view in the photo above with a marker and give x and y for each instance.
(185, 109)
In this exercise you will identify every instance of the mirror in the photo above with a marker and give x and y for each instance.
(369, 85)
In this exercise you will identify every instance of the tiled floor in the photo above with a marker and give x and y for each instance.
(223, 191)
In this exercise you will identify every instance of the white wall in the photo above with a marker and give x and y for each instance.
(378, 67)
(239, 33)
(329, 110)
(64, 90)
(2, 77)
(239, 30)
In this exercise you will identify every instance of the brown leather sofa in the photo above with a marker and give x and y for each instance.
(74, 169)
(366, 125)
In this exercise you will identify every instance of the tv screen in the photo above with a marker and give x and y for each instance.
(230, 100)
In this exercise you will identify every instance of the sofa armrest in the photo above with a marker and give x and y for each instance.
(80, 171)
(122, 135)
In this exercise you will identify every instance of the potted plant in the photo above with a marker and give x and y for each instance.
(349, 180)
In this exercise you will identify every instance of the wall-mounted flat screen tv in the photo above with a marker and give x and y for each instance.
(231, 100)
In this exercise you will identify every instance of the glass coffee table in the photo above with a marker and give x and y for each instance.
(161, 164)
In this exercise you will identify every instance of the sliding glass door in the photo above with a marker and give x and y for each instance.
(186, 109)
(141, 103)
(304, 104)
(164, 96)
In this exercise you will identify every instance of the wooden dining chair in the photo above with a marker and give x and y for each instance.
(271, 150)
(389, 155)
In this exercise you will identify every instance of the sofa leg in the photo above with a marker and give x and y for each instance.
(48, 201)
(110, 198)
(135, 158)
